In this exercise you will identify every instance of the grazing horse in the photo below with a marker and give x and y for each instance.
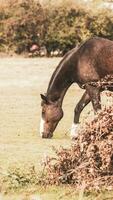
(83, 65)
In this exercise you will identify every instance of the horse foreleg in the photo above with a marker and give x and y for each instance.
(94, 94)
(77, 111)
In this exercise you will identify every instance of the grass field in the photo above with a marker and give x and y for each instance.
(21, 82)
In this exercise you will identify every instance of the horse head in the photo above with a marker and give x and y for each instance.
(51, 115)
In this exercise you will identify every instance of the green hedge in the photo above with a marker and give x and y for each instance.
(26, 22)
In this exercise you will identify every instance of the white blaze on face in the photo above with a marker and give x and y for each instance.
(74, 131)
(41, 126)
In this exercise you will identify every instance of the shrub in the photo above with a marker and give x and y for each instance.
(23, 26)
(26, 22)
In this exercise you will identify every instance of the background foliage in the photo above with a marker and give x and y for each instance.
(27, 22)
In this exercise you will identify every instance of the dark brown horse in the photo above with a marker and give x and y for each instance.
(84, 65)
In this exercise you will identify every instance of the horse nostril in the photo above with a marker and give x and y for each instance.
(50, 135)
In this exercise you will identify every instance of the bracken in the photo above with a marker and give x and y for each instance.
(89, 161)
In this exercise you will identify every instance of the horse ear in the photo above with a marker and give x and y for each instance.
(44, 98)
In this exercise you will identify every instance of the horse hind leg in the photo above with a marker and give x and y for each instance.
(77, 111)
(94, 94)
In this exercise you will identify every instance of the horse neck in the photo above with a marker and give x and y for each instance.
(59, 83)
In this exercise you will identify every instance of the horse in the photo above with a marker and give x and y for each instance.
(84, 65)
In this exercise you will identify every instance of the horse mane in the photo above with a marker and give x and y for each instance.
(70, 52)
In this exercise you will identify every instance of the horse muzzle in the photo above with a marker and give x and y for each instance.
(47, 135)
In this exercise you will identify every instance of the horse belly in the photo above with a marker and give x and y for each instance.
(104, 61)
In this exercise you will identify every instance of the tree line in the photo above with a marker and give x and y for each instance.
(26, 22)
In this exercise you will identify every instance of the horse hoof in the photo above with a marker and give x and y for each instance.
(74, 131)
